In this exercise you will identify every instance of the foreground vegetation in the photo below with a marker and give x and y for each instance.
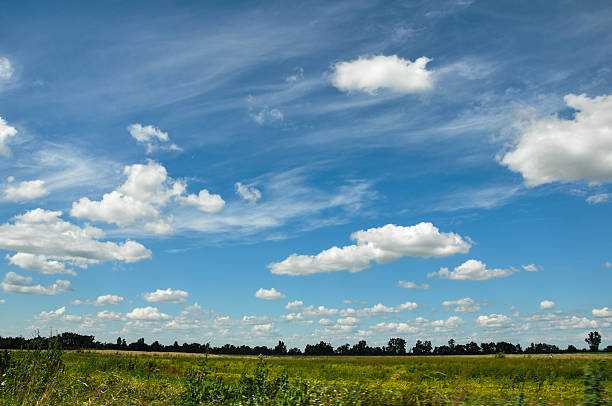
(54, 377)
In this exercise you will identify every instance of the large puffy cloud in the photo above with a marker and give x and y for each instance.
(268, 294)
(474, 270)
(139, 200)
(26, 190)
(369, 74)
(21, 284)
(153, 138)
(39, 263)
(43, 232)
(147, 313)
(166, 295)
(465, 305)
(383, 244)
(6, 131)
(552, 149)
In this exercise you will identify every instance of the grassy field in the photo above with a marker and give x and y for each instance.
(109, 378)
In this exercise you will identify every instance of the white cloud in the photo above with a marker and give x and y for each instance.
(412, 285)
(383, 244)
(194, 309)
(51, 314)
(263, 329)
(608, 264)
(547, 305)
(43, 232)
(598, 198)
(2, 301)
(267, 114)
(23, 284)
(369, 74)
(493, 321)
(380, 309)
(572, 322)
(26, 190)
(400, 328)
(268, 294)
(552, 149)
(531, 268)
(153, 138)
(325, 322)
(71, 318)
(465, 305)
(147, 313)
(295, 305)
(298, 75)
(103, 300)
(603, 312)
(166, 295)
(473, 270)
(139, 200)
(6, 69)
(6, 131)
(204, 201)
(39, 263)
(248, 192)
(347, 321)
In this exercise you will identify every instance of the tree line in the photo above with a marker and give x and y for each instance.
(395, 346)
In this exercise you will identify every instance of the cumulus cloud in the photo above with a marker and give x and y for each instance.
(412, 285)
(603, 312)
(166, 295)
(268, 294)
(26, 190)
(552, 149)
(6, 131)
(248, 192)
(465, 305)
(153, 138)
(23, 284)
(399, 328)
(473, 270)
(531, 268)
(51, 314)
(205, 201)
(43, 232)
(547, 305)
(147, 313)
(39, 263)
(295, 305)
(6, 68)
(103, 300)
(139, 200)
(493, 321)
(263, 329)
(383, 244)
(380, 309)
(370, 73)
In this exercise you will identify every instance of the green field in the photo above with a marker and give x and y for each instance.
(108, 378)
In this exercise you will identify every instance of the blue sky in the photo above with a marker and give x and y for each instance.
(246, 172)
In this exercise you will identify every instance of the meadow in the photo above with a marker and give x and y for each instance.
(55, 377)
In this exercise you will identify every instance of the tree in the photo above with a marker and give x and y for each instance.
(280, 349)
(422, 348)
(396, 346)
(593, 340)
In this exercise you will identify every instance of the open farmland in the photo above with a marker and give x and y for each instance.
(94, 378)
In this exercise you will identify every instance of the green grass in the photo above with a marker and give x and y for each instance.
(52, 377)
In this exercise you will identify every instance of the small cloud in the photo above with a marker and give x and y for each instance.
(295, 305)
(266, 115)
(23, 284)
(531, 268)
(268, 294)
(147, 313)
(298, 75)
(248, 192)
(547, 305)
(608, 264)
(598, 198)
(472, 269)
(153, 138)
(6, 69)
(368, 74)
(166, 295)
(603, 312)
(412, 285)
(466, 305)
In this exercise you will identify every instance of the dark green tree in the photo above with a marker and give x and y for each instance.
(593, 340)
